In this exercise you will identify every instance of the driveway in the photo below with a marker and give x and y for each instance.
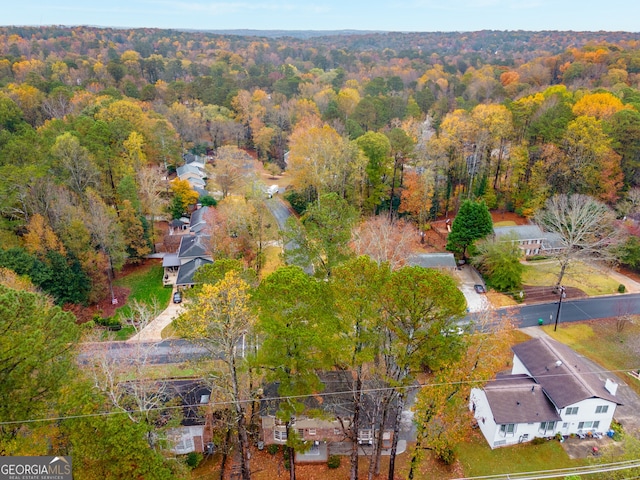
(152, 332)
(468, 277)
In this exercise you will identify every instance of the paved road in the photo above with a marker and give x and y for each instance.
(177, 351)
(576, 310)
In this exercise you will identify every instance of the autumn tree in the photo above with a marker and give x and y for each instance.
(356, 287)
(218, 319)
(583, 228)
(230, 172)
(420, 307)
(106, 234)
(377, 149)
(441, 408)
(322, 159)
(75, 162)
(296, 331)
(322, 236)
(499, 260)
(183, 197)
(416, 195)
(472, 223)
(134, 235)
(36, 360)
(384, 240)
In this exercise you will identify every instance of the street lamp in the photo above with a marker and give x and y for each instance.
(559, 305)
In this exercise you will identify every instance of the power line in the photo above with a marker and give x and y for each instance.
(562, 472)
(283, 398)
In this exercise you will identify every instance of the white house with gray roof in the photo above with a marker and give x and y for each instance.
(550, 390)
(531, 239)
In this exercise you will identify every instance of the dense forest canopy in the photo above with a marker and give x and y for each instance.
(91, 120)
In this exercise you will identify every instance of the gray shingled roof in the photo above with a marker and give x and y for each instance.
(170, 260)
(563, 374)
(521, 232)
(194, 246)
(183, 170)
(432, 260)
(518, 399)
(336, 398)
(187, 270)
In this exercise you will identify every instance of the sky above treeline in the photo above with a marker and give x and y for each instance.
(387, 15)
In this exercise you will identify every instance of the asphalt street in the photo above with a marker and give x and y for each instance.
(574, 310)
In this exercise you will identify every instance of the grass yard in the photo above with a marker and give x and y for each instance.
(145, 286)
(578, 275)
(478, 459)
(272, 260)
(505, 223)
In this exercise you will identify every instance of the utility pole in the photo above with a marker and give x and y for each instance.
(559, 305)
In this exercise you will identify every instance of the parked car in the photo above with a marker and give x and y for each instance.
(479, 288)
(177, 297)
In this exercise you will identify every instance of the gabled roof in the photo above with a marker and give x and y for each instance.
(198, 220)
(521, 232)
(432, 260)
(563, 374)
(198, 215)
(518, 399)
(187, 270)
(336, 398)
(194, 246)
(196, 182)
(190, 169)
(193, 393)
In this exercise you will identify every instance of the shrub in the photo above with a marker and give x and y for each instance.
(621, 288)
(194, 459)
(538, 441)
(617, 430)
(333, 461)
(273, 448)
(447, 456)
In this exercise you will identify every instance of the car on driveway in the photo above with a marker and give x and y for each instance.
(177, 297)
(479, 288)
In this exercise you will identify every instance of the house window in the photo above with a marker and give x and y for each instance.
(280, 435)
(312, 431)
(602, 408)
(301, 432)
(571, 411)
(547, 427)
(507, 430)
(337, 431)
(582, 425)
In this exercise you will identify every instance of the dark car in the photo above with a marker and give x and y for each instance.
(479, 288)
(177, 297)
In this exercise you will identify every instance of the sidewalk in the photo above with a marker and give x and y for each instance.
(153, 331)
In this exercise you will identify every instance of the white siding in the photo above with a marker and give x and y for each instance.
(587, 413)
(519, 368)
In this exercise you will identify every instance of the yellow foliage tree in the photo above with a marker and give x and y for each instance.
(600, 105)
(182, 190)
(40, 237)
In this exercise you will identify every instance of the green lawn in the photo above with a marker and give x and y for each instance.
(579, 275)
(478, 459)
(145, 285)
(505, 223)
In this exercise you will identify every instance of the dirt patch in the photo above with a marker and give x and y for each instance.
(535, 294)
(105, 307)
(509, 217)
